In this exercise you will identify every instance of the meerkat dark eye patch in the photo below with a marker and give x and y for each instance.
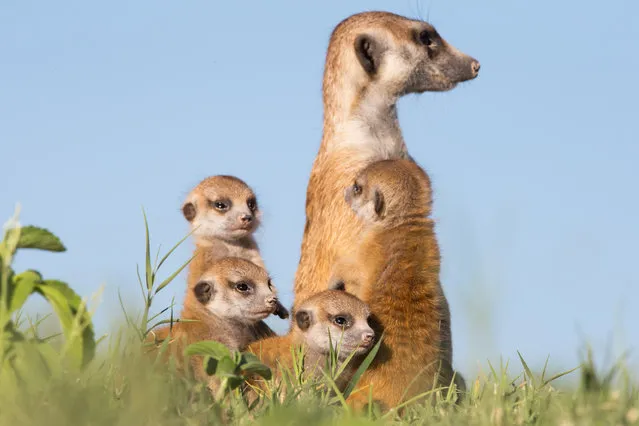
(189, 212)
(203, 291)
(303, 320)
(379, 203)
(338, 285)
(368, 53)
(251, 203)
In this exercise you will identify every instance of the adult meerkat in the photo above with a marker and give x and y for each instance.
(223, 214)
(373, 59)
(400, 255)
(338, 313)
(226, 303)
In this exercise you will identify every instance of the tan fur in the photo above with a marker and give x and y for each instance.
(361, 125)
(400, 255)
(309, 332)
(236, 331)
(220, 234)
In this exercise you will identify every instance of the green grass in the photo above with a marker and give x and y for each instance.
(72, 379)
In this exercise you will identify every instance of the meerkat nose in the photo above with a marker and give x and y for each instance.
(271, 300)
(247, 218)
(367, 337)
(475, 66)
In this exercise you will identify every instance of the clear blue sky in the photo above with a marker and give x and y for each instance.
(107, 107)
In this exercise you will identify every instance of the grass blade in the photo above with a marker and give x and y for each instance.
(149, 271)
(173, 275)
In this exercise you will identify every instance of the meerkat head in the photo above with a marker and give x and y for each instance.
(339, 314)
(237, 289)
(397, 55)
(390, 189)
(222, 207)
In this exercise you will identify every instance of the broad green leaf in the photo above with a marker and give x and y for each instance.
(21, 288)
(225, 367)
(208, 348)
(66, 304)
(256, 368)
(210, 365)
(39, 238)
(248, 357)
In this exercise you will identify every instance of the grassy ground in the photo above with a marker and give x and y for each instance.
(71, 379)
(120, 387)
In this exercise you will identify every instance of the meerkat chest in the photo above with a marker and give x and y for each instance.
(379, 139)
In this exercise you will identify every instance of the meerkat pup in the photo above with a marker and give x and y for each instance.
(373, 59)
(400, 256)
(225, 304)
(328, 318)
(223, 214)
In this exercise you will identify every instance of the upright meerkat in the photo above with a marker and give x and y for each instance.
(338, 313)
(223, 214)
(400, 255)
(226, 303)
(373, 59)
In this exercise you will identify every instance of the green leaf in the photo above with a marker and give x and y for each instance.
(362, 368)
(527, 370)
(225, 367)
(210, 365)
(21, 288)
(149, 271)
(210, 348)
(166, 256)
(67, 304)
(256, 368)
(558, 375)
(173, 275)
(39, 238)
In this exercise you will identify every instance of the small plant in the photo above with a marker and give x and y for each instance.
(231, 367)
(18, 349)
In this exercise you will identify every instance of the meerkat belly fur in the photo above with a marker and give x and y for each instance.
(373, 59)
(400, 258)
(226, 303)
(223, 214)
(338, 314)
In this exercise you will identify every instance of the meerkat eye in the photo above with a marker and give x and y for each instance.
(219, 205)
(242, 287)
(252, 204)
(341, 321)
(357, 189)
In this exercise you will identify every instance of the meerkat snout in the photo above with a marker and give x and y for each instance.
(367, 337)
(475, 66)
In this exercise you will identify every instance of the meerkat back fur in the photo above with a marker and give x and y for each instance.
(373, 59)
(400, 255)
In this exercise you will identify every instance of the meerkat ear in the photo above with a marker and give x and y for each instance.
(338, 285)
(204, 291)
(281, 311)
(379, 203)
(188, 210)
(303, 320)
(369, 53)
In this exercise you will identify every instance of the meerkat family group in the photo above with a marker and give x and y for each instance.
(370, 263)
